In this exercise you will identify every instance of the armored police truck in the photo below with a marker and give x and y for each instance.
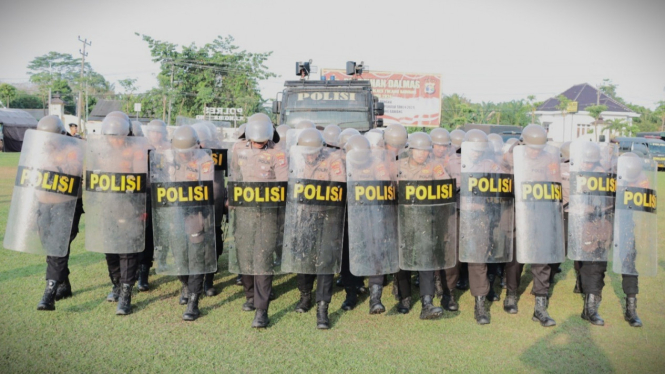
(347, 104)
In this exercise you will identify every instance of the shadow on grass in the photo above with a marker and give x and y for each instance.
(571, 340)
(616, 281)
(83, 259)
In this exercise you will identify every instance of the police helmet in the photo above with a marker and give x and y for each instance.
(345, 135)
(496, 140)
(360, 147)
(116, 125)
(477, 140)
(630, 166)
(240, 132)
(305, 124)
(420, 140)
(591, 153)
(51, 124)
(440, 136)
(565, 150)
(310, 138)
(534, 136)
(395, 135)
(184, 137)
(282, 129)
(331, 134)
(260, 129)
(457, 137)
(136, 128)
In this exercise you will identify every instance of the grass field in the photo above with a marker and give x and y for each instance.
(84, 335)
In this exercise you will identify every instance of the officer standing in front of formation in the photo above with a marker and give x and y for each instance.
(311, 239)
(426, 237)
(538, 219)
(256, 160)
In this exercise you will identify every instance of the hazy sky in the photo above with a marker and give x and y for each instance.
(486, 50)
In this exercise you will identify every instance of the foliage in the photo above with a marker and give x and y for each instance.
(456, 111)
(7, 94)
(217, 74)
(25, 100)
(595, 111)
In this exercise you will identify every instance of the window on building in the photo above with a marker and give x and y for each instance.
(546, 125)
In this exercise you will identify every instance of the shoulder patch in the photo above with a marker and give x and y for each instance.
(438, 171)
(281, 159)
(336, 167)
(426, 172)
(206, 166)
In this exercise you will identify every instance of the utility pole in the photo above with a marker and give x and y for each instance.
(50, 83)
(168, 122)
(79, 105)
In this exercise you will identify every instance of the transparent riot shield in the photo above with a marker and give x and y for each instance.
(157, 136)
(315, 208)
(114, 194)
(48, 183)
(427, 218)
(635, 249)
(538, 205)
(257, 199)
(486, 207)
(183, 212)
(591, 201)
(291, 139)
(372, 212)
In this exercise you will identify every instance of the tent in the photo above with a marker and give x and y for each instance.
(14, 123)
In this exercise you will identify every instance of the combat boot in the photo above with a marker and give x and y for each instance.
(448, 302)
(491, 295)
(115, 292)
(438, 285)
(184, 293)
(322, 321)
(305, 302)
(192, 312)
(351, 298)
(208, 286)
(510, 303)
(261, 320)
(540, 312)
(48, 300)
(429, 311)
(248, 306)
(375, 306)
(462, 284)
(239, 280)
(631, 312)
(480, 312)
(404, 305)
(578, 282)
(143, 272)
(64, 290)
(125, 300)
(590, 312)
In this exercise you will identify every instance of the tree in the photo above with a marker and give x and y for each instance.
(660, 112)
(129, 86)
(595, 111)
(25, 100)
(7, 93)
(217, 73)
(563, 107)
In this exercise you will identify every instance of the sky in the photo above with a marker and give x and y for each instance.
(486, 50)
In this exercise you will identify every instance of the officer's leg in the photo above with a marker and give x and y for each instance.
(129, 263)
(492, 270)
(324, 289)
(403, 281)
(248, 285)
(146, 257)
(449, 278)
(195, 287)
(429, 311)
(375, 292)
(578, 278)
(512, 273)
(631, 289)
(113, 265)
(480, 287)
(592, 275)
(350, 281)
(208, 283)
(541, 285)
(305, 285)
(262, 289)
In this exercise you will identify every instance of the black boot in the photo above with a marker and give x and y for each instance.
(578, 282)
(305, 302)
(438, 285)
(510, 302)
(417, 280)
(462, 284)
(115, 292)
(429, 311)
(143, 278)
(492, 296)
(480, 312)
(339, 282)
(351, 298)
(192, 312)
(631, 312)
(404, 305)
(239, 280)
(48, 300)
(448, 302)
(322, 321)
(64, 290)
(208, 287)
(248, 306)
(540, 312)
(125, 300)
(184, 293)
(261, 320)
(375, 306)
(590, 312)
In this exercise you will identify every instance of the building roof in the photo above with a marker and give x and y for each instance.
(104, 107)
(585, 95)
(17, 118)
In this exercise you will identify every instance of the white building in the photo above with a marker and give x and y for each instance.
(567, 126)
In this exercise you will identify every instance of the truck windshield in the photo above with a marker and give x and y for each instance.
(346, 109)
(356, 119)
(657, 148)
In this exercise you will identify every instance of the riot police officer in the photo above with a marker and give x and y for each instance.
(330, 135)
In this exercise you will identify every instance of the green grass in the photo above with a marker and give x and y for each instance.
(85, 335)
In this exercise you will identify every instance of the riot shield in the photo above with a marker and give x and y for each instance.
(183, 211)
(486, 207)
(591, 201)
(427, 218)
(114, 195)
(538, 205)
(315, 208)
(257, 199)
(48, 183)
(291, 139)
(157, 136)
(372, 211)
(635, 221)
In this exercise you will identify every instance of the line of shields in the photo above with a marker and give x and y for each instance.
(397, 213)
